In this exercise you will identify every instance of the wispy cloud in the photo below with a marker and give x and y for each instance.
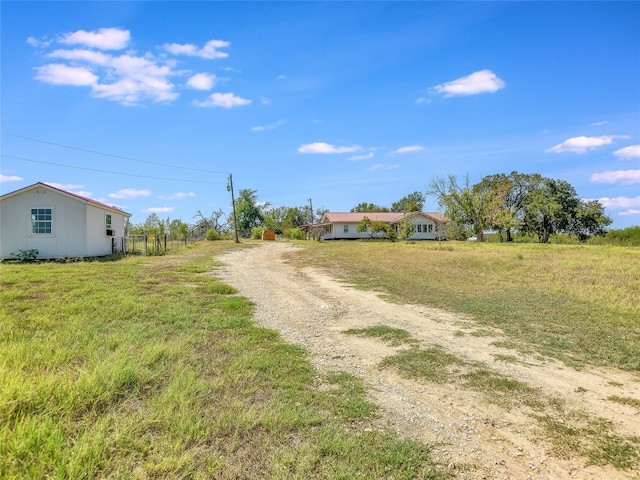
(202, 81)
(629, 205)
(159, 209)
(322, 147)
(177, 196)
(423, 101)
(623, 177)
(9, 178)
(483, 81)
(365, 156)
(598, 124)
(60, 74)
(383, 166)
(223, 100)
(273, 126)
(583, 144)
(71, 188)
(632, 151)
(130, 193)
(209, 51)
(408, 149)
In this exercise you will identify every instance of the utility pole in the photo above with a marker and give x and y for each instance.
(233, 203)
(311, 229)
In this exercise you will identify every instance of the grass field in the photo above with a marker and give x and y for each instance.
(147, 368)
(576, 303)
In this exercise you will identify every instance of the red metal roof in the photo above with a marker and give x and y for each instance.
(79, 197)
(389, 217)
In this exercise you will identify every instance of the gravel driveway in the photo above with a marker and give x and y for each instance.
(474, 438)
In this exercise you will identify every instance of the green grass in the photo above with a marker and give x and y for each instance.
(392, 336)
(576, 303)
(146, 368)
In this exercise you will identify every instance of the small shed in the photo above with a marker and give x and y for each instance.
(59, 224)
(268, 235)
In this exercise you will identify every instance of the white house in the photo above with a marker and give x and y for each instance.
(58, 224)
(344, 226)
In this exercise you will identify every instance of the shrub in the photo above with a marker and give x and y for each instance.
(294, 234)
(25, 256)
(212, 234)
(256, 233)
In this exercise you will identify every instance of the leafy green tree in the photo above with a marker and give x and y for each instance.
(590, 220)
(550, 209)
(406, 229)
(153, 225)
(467, 205)
(377, 229)
(249, 212)
(410, 203)
(365, 207)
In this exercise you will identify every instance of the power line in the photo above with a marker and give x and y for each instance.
(109, 154)
(108, 171)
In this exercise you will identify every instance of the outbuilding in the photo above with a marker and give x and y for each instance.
(59, 224)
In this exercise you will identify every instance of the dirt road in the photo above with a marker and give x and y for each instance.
(473, 437)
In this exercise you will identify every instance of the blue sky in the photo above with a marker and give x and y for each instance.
(338, 102)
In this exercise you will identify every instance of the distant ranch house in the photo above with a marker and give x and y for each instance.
(58, 224)
(344, 226)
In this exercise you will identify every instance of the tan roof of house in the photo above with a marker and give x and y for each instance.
(79, 197)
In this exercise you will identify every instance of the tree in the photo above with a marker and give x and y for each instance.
(410, 203)
(365, 207)
(590, 220)
(466, 206)
(249, 213)
(406, 228)
(213, 221)
(377, 228)
(153, 225)
(549, 209)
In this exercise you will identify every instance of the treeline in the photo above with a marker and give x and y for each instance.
(526, 204)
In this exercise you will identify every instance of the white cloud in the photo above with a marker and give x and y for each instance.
(224, 100)
(583, 144)
(59, 74)
(409, 149)
(630, 212)
(177, 196)
(159, 209)
(34, 42)
(423, 100)
(620, 202)
(82, 55)
(273, 126)
(321, 147)
(623, 177)
(597, 124)
(202, 81)
(209, 51)
(10, 178)
(103, 39)
(130, 193)
(482, 81)
(383, 166)
(632, 151)
(366, 156)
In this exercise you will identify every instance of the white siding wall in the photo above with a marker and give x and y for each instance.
(69, 220)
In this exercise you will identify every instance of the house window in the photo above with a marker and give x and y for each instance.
(346, 228)
(430, 228)
(41, 221)
(108, 221)
(419, 228)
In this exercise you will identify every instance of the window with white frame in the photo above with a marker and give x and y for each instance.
(108, 221)
(346, 228)
(419, 228)
(430, 228)
(42, 221)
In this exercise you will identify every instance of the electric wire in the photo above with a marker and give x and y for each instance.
(109, 154)
(108, 171)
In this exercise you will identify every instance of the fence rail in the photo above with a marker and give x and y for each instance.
(149, 244)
